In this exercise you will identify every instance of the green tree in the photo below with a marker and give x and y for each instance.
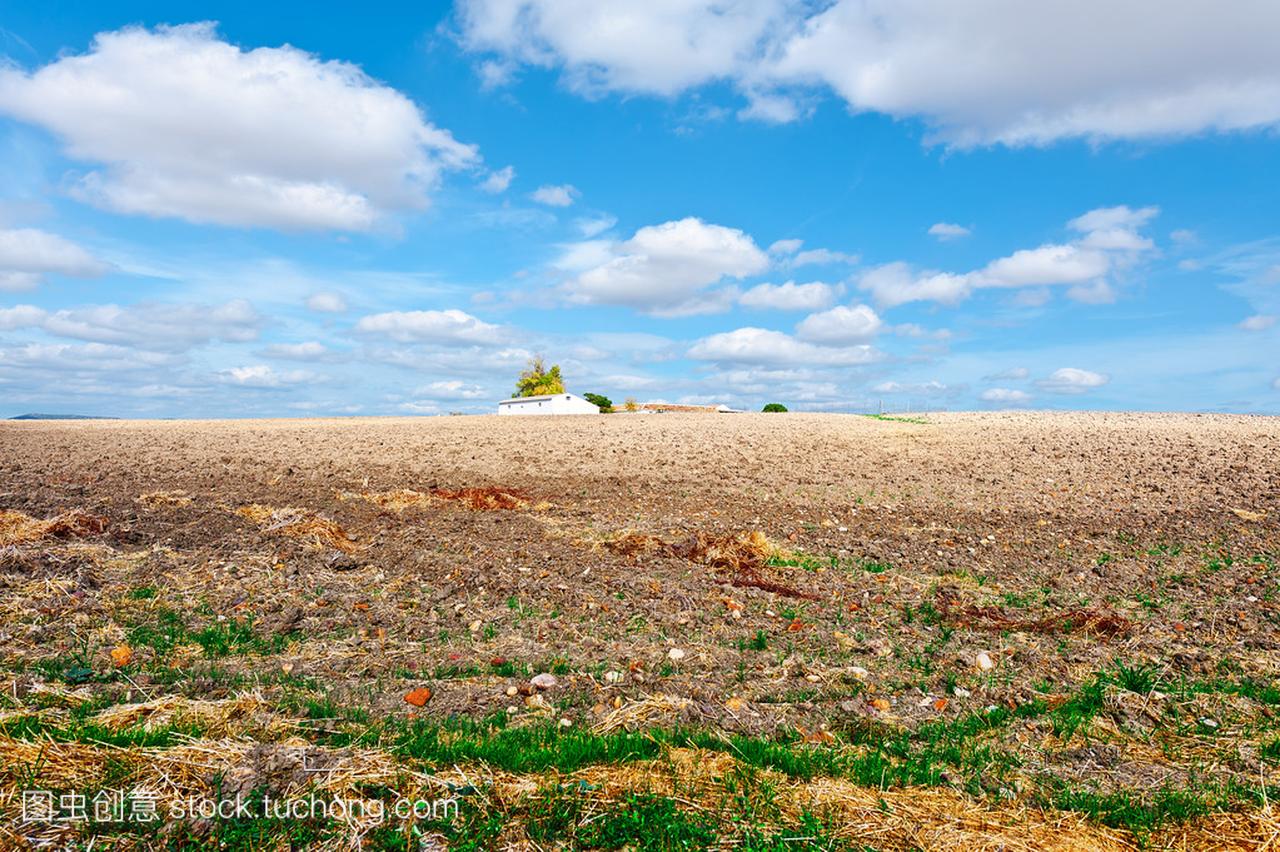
(538, 380)
(602, 402)
(774, 407)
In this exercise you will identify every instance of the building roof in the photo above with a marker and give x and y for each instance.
(534, 398)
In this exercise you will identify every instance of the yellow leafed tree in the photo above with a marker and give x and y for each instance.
(537, 380)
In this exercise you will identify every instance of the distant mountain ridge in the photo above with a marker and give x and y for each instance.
(62, 417)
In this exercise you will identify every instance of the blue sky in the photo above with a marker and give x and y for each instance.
(286, 211)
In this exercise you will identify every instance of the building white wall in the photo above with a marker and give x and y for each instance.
(561, 403)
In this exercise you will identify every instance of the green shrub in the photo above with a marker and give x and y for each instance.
(602, 402)
(775, 407)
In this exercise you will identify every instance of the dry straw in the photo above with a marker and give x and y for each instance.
(302, 524)
(18, 528)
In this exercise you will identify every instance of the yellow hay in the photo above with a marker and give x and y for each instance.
(643, 712)
(239, 716)
(19, 528)
(301, 524)
(889, 819)
(164, 499)
(396, 500)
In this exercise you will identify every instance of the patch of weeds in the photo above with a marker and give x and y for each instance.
(892, 418)
(143, 593)
(1215, 562)
(166, 629)
(1136, 678)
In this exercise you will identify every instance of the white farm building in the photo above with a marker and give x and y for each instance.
(560, 403)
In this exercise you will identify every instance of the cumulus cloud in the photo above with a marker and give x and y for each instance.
(451, 389)
(327, 303)
(822, 257)
(660, 50)
(841, 325)
(60, 359)
(555, 196)
(497, 181)
(1258, 322)
(788, 252)
(183, 124)
(1109, 243)
(158, 326)
(27, 255)
(765, 346)
(929, 388)
(21, 316)
(790, 296)
(664, 269)
(1072, 380)
(945, 231)
(1008, 396)
(311, 350)
(594, 226)
(262, 376)
(441, 327)
(1093, 70)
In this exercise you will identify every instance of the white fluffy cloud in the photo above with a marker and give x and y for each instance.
(1072, 380)
(765, 346)
(664, 269)
(555, 196)
(840, 326)
(262, 376)
(1049, 70)
(311, 350)
(184, 124)
(790, 296)
(930, 388)
(1009, 396)
(327, 303)
(442, 327)
(452, 389)
(659, 48)
(1109, 242)
(27, 255)
(498, 181)
(1258, 322)
(62, 358)
(948, 231)
(157, 326)
(21, 316)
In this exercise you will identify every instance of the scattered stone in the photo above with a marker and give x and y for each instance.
(675, 654)
(418, 697)
(985, 662)
(546, 680)
(340, 561)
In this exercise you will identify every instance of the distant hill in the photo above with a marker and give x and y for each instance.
(61, 417)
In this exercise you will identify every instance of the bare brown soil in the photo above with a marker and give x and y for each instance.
(766, 572)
